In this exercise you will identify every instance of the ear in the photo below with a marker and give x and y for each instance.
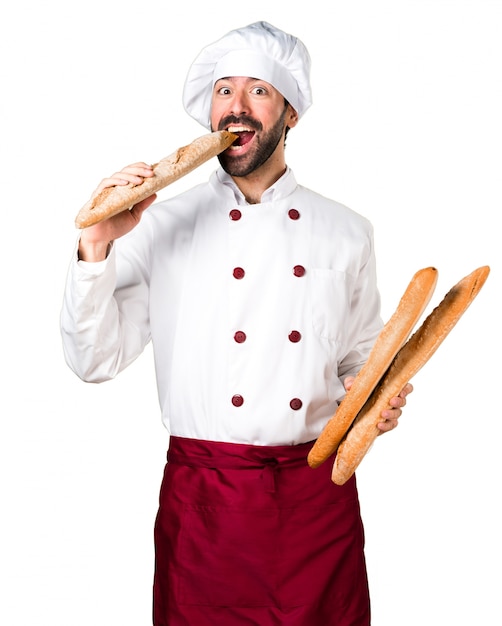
(291, 117)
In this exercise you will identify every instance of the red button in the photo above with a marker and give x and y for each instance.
(237, 400)
(294, 214)
(235, 215)
(294, 336)
(298, 270)
(240, 337)
(238, 272)
(296, 404)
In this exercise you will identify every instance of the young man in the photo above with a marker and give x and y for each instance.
(260, 299)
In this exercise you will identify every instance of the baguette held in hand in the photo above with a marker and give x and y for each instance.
(114, 200)
(407, 362)
(392, 336)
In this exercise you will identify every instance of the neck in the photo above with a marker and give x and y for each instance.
(255, 184)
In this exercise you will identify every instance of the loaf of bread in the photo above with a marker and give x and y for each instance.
(113, 200)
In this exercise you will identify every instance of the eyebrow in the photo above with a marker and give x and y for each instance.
(230, 78)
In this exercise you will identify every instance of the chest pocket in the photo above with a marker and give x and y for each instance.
(330, 292)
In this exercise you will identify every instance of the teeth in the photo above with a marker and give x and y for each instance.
(237, 129)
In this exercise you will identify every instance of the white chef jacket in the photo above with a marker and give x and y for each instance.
(256, 312)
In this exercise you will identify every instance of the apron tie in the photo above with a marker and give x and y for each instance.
(270, 466)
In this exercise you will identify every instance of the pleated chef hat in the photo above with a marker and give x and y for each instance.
(259, 51)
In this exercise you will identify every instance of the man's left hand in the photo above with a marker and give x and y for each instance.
(393, 412)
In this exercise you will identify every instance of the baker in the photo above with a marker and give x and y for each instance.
(261, 302)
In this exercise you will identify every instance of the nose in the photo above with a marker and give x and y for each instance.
(239, 104)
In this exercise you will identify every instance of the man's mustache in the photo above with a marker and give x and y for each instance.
(241, 120)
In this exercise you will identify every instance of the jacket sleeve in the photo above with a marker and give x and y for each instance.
(104, 317)
(365, 320)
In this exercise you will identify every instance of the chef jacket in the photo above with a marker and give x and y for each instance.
(256, 312)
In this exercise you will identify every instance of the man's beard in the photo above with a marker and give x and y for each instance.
(262, 150)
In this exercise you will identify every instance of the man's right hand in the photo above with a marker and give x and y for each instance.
(95, 240)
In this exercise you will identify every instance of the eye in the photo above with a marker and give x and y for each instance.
(259, 91)
(224, 91)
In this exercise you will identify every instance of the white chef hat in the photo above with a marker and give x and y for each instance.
(260, 51)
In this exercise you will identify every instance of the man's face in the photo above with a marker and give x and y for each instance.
(255, 111)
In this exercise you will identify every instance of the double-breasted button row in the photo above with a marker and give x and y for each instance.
(295, 404)
(239, 272)
(294, 336)
(236, 214)
(240, 336)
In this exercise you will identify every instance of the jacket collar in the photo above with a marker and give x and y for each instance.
(279, 190)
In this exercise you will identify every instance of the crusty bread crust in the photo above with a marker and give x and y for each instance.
(408, 361)
(393, 335)
(113, 200)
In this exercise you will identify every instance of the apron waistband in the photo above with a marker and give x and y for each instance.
(236, 456)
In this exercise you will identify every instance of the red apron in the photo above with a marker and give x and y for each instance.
(251, 535)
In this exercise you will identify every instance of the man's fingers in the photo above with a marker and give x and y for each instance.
(134, 174)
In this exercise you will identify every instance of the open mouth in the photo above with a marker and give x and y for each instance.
(244, 135)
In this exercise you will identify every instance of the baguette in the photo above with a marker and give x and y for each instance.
(408, 361)
(392, 336)
(113, 200)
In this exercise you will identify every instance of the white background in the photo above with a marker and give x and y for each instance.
(406, 129)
